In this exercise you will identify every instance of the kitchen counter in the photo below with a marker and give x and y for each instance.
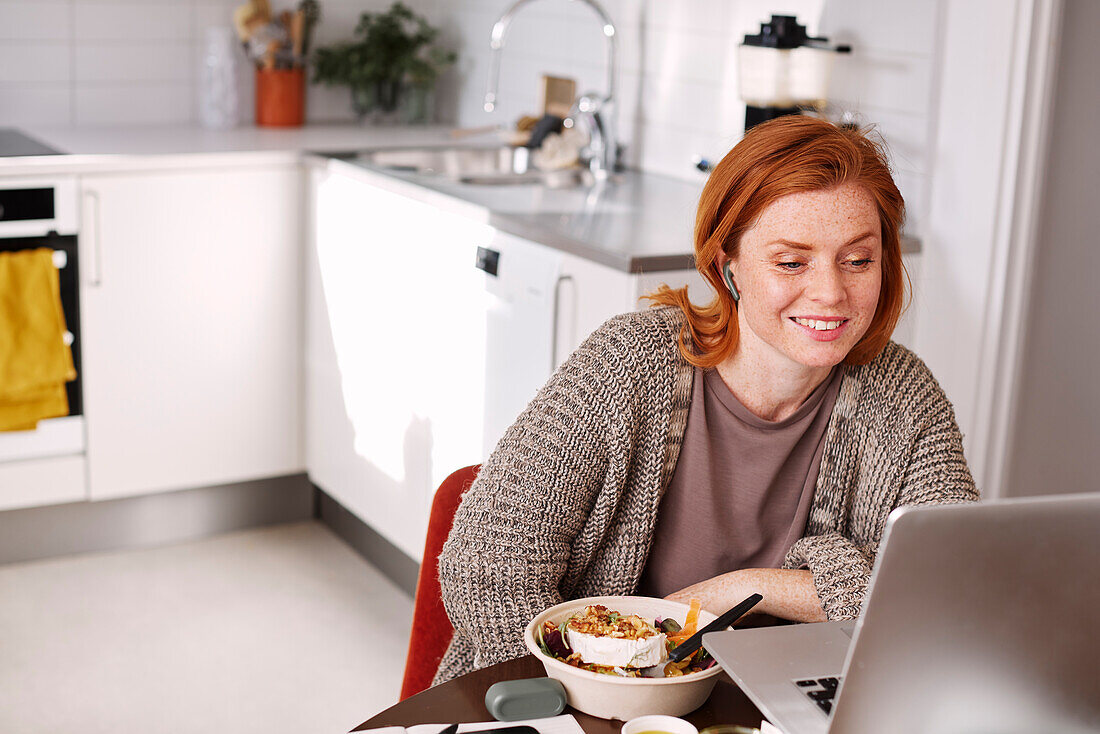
(642, 223)
(187, 140)
(638, 223)
(162, 147)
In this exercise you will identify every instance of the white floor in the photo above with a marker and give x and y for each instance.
(269, 631)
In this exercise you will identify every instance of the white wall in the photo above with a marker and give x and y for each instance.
(1057, 426)
(115, 62)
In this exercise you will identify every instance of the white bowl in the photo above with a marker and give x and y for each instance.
(613, 697)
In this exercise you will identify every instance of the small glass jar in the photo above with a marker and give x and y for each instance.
(219, 99)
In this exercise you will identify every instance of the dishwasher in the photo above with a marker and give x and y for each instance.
(527, 312)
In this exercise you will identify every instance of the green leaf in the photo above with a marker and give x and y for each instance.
(394, 47)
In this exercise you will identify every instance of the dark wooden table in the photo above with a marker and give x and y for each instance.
(462, 700)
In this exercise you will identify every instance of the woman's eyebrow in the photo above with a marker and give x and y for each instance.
(803, 246)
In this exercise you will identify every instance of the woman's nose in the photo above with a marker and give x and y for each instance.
(827, 285)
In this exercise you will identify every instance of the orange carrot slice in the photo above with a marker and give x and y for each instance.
(692, 620)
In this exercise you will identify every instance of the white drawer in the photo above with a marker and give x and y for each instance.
(42, 482)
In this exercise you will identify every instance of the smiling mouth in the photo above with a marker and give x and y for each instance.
(819, 325)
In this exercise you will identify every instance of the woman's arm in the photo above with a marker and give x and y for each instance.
(513, 533)
(788, 594)
(935, 473)
(826, 575)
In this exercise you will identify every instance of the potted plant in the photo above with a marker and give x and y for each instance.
(391, 62)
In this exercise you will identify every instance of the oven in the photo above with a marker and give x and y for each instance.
(34, 213)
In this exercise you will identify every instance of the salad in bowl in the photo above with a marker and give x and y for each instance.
(608, 641)
(601, 648)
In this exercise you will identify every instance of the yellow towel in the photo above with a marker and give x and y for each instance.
(35, 362)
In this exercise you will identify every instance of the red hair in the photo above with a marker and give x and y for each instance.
(785, 156)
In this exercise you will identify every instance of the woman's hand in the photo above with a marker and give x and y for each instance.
(788, 594)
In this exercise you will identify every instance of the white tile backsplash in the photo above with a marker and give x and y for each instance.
(40, 20)
(883, 80)
(685, 55)
(874, 25)
(148, 21)
(44, 103)
(138, 62)
(134, 103)
(699, 16)
(23, 62)
(323, 103)
(683, 104)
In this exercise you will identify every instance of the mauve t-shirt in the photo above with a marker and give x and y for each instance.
(741, 491)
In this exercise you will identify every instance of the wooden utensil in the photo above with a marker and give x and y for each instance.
(269, 55)
(262, 8)
(297, 34)
(241, 16)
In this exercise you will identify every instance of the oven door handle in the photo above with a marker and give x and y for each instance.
(93, 233)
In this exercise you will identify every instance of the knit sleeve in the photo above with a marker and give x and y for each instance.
(841, 571)
(936, 473)
(513, 532)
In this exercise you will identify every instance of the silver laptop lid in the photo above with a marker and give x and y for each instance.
(980, 618)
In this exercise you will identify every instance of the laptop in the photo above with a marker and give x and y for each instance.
(980, 619)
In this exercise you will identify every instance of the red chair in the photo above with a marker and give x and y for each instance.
(431, 629)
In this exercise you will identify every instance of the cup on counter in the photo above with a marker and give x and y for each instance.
(280, 97)
(659, 723)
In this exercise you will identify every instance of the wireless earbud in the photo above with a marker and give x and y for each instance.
(729, 281)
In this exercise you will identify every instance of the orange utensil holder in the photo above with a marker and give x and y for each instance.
(280, 97)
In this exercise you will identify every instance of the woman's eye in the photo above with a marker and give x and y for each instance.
(790, 266)
(861, 263)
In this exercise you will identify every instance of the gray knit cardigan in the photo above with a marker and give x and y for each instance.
(566, 505)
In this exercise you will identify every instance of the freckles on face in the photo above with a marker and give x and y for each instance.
(809, 271)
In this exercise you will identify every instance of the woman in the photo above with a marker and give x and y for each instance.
(753, 445)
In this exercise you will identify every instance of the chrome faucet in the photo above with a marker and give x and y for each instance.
(597, 111)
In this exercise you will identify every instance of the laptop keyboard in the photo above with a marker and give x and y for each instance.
(821, 691)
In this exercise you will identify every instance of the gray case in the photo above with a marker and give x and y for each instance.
(527, 698)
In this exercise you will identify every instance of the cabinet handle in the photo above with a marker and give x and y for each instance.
(554, 325)
(97, 265)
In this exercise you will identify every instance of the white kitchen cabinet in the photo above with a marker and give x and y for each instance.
(42, 481)
(416, 359)
(593, 293)
(190, 303)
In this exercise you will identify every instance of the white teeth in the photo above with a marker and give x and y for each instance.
(819, 325)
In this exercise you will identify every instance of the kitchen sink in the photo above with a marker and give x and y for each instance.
(496, 166)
